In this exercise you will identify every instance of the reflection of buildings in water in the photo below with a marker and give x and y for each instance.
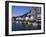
(35, 24)
(17, 22)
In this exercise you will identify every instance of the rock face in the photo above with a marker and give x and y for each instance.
(35, 12)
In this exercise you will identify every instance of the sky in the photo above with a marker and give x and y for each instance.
(20, 10)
